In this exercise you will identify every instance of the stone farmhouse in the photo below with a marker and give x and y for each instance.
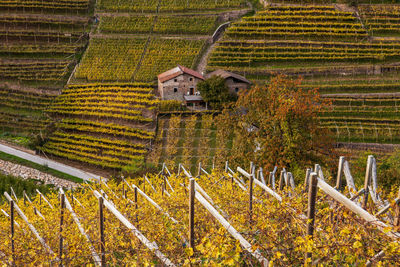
(180, 83)
(235, 82)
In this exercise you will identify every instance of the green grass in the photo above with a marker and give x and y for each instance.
(45, 169)
(20, 185)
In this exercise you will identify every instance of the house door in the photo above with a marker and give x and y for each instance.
(191, 91)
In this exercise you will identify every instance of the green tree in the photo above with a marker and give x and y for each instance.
(215, 92)
(278, 124)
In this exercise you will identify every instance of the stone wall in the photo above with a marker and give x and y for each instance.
(182, 84)
(232, 85)
(26, 173)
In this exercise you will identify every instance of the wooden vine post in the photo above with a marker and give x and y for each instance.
(72, 197)
(367, 181)
(340, 174)
(144, 184)
(281, 182)
(62, 205)
(136, 202)
(312, 196)
(192, 192)
(24, 195)
(397, 212)
(251, 182)
(12, 231)
(101, 226)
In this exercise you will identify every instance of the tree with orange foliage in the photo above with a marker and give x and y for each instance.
(278, 124)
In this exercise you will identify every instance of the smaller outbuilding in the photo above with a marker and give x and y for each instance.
(235, 82)
(179, 82)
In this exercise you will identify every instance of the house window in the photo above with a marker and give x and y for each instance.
(175, 89)
(236, 90)
(175, 80)
(191, 91)
(191, 79)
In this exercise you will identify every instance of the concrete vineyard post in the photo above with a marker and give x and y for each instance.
(367, 181)
(192, 192)
(312, 196)
(226, 166)
(306, 179)
(101, 227)
(270, 179)
(62, 205)
(340, 174)
(213, 164)
(199, 171)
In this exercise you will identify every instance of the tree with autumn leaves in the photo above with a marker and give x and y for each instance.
(277, 125)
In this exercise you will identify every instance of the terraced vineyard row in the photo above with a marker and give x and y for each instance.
(158, 24)
(364, 118)
(39, 49)
(35, 70)
(168, 6)
(104, 125)
(381, 19)
(255, 53)
(45, 5)
(22, 112)
(314, 23)
(118, 59)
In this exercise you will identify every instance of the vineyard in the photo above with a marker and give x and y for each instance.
(286, 22)
(45, 5)
(341, 52)
(224, 218)
(259, 53)
(39, 44)
(106, 125)
(168, 6)
(40, 48)
(138, 59)
(110, 59)
(189, 139)
(22, 112)
(382, 20)
(159, 24)
(164, 54)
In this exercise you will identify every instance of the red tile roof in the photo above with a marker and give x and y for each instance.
(175, 72)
